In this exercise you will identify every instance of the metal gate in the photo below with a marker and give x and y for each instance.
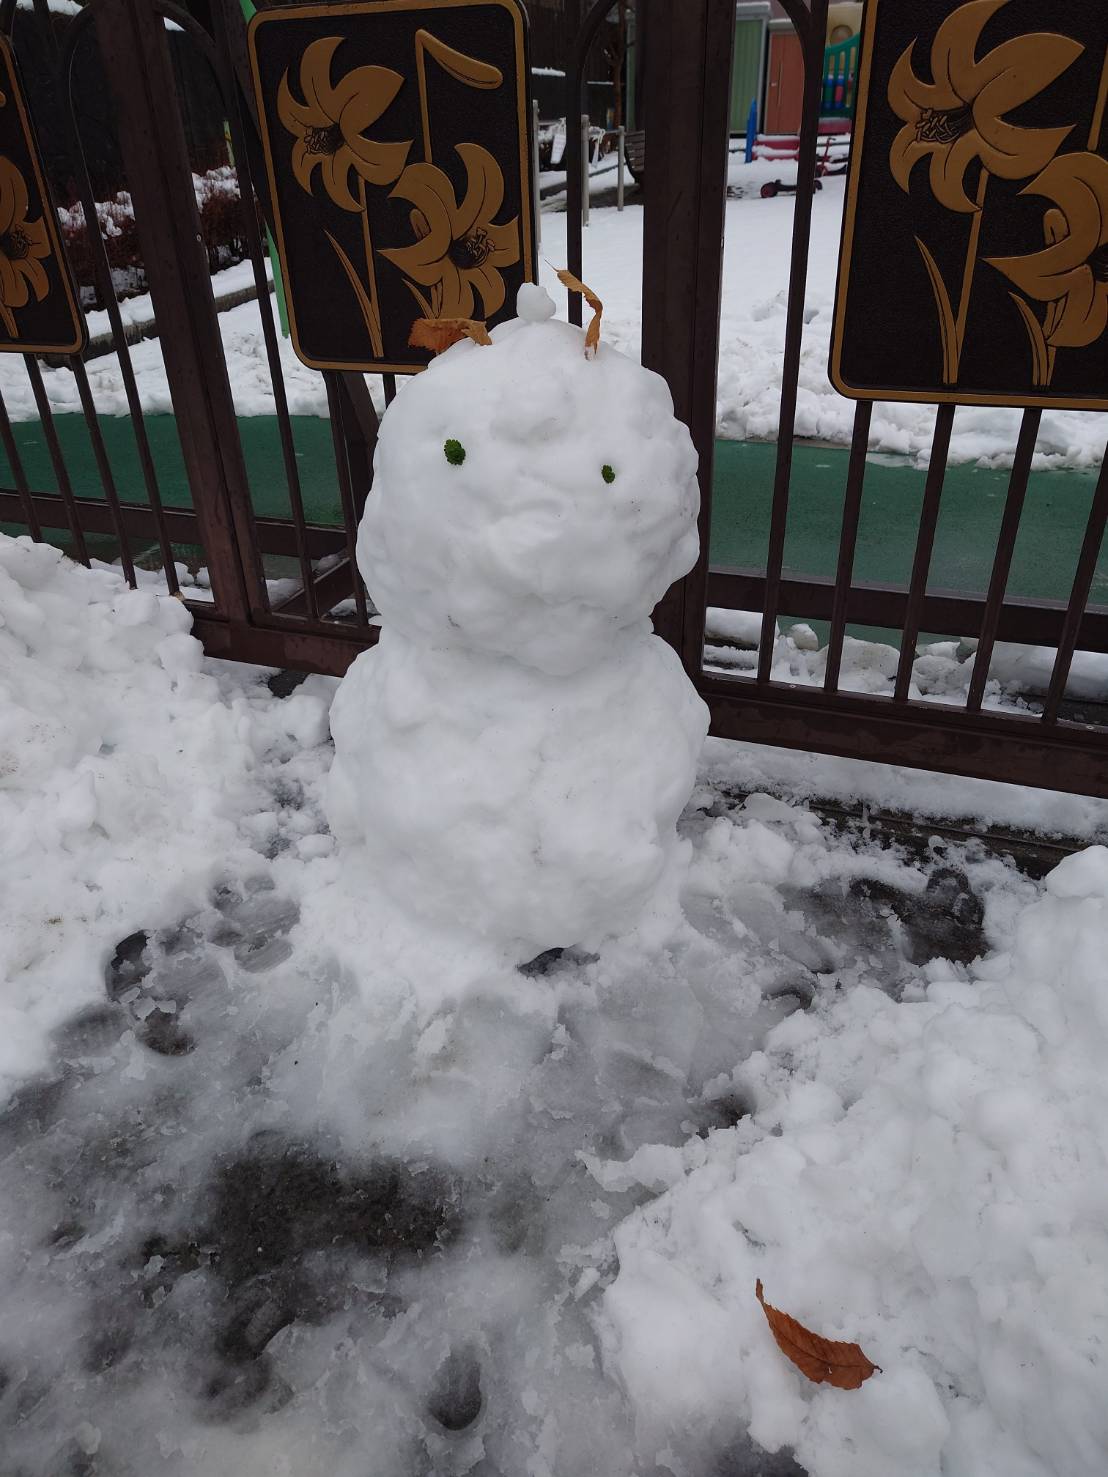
(688, 60)
(320, 618)
(323, 621)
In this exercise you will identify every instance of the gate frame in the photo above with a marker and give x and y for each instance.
(687, 82)
(686, 90)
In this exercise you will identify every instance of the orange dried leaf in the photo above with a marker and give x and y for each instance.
(437, 334)
(823, 1361)
(592, 333)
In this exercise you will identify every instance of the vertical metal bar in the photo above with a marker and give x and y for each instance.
(57, 460)
(1002, 562)
(812, 41)
(621, 166)
(389, 381)
(688, 95)
(535, 179)
(925, 543)
(848, 541)
(1079, 596)
(346, 494)
(360, 428)
(132, 41)
(103, 274)
(104, 468)
(62, 63)
(580, 33)
(585, 169)
(265, 307)
(360, 423)
(15, 461)
(575, 175)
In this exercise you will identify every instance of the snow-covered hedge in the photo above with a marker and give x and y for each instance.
(222, 225)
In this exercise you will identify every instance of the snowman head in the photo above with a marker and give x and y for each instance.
(527, 500)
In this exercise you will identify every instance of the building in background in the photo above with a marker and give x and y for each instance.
(781, 100)
(767, 67)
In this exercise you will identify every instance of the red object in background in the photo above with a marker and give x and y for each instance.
(785, 84)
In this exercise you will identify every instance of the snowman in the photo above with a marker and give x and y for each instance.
(514, 753)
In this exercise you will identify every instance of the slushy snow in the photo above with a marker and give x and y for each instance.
(296, 1181)
(516, 750)
(928, 1177)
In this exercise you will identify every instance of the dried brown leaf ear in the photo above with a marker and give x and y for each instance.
(437, 334)
(592, 333)
(823, 1361)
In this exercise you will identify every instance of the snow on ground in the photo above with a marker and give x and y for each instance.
(140, 307)
(755, 276)
(293, 1184)
(1019, 676)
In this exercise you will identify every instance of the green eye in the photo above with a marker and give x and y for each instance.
(606, 472)
(455, 452)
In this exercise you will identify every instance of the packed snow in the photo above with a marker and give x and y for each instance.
(296, 1181)
(530, 808)
(752, 332)
(568, 512)
(515, 751)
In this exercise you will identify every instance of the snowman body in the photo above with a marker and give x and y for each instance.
(516, 750)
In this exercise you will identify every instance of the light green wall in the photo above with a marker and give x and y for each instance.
(745, 70)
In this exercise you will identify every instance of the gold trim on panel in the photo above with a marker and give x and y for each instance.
(954, 130)
(428, 181)
(48, 223)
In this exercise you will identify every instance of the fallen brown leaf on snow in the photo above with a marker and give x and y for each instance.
(592, 333)
(824, 1361)
(437, 334)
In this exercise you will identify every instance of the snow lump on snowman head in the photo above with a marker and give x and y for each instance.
(527, 501)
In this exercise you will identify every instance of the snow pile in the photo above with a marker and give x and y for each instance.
(297, 1182)
(517, 749)
(941, 670)
(122, 775)
(929, 1178)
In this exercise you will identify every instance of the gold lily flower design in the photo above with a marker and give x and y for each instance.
(459, 248)
(959, 117)
(1072, 272)
(23, 244)
(330, 124)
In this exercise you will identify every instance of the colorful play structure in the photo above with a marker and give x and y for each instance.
(768, 69)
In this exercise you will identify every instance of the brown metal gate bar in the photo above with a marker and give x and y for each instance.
(1023, 748)
(57, 460)
(26, 504)
(221, 520)
(1002, 564)
(688, 58)
(1082, 584)
(810, 27)
(135, 55)
(1025, 622)
(103, 274)
(686, 81)
(925, 545)
(848, 541)
(230, 96)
